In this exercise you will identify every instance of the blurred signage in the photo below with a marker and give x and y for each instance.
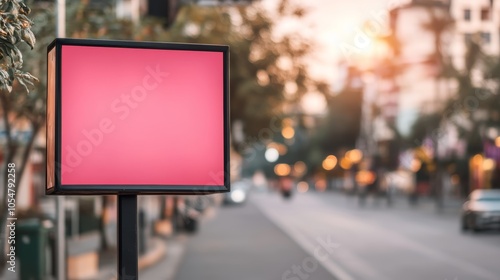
(136, 117)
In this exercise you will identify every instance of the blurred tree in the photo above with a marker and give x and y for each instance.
(439, 23)
(422, 128)
(18, 104)
(340, 129)
(473, 108)
(264, 64)
(263, 61)
(466, 93)
(342, 124)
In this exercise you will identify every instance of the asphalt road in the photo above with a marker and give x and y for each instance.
(316, 236)
(240, 243)
(378, 243)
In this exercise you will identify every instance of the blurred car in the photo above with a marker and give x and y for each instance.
(481, 210)
(239, 192)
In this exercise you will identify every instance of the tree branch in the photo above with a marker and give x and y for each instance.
(5, 112)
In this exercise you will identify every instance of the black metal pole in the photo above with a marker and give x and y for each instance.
(127, 238)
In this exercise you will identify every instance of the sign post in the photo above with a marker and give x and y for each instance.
(127, 237)
(136, 118)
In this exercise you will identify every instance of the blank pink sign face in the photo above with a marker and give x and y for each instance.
(141, 117)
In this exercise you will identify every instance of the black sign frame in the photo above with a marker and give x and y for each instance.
(56, 188)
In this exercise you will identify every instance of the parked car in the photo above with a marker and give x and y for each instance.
(481, 210)
(239, 192)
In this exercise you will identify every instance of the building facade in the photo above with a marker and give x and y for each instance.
(474, 20)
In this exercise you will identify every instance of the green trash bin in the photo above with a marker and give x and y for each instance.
(31, 245)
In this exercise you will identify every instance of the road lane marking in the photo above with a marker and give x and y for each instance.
(308, 246)
(281, 214)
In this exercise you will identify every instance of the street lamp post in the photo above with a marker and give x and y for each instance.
(60, 201)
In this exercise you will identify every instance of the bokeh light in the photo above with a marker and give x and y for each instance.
(365, 177)
(329, 162)
(299, 168)
(288, 132)
(320, 185)
(271, 155)
(415, 165)
(345, 163)
(354, 156)
(282, 169)
(302, 187)
(488, 164)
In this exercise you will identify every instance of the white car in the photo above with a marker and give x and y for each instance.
(481, 210)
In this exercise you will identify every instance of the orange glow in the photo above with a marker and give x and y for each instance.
(287, 122)
(354, 156)
(330, 162)
(288, 132)
(320, 185)
(282, 169)
(477, 159)
(299, 168)
(345, 163)
(262, 78)
(488, 164)
(365, 177)
(415, 165)
(497, 141)
(282, 149)
(302, 187)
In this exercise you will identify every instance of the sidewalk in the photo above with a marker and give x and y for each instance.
(166, 267)
(160, 263)
(107, 259)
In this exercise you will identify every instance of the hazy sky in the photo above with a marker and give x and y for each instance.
(332, 24)
(335, 23)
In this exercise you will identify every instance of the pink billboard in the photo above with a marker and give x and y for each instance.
(136, 117)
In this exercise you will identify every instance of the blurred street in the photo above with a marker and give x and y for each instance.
(352, 242)
(360, 139)
(241, 243)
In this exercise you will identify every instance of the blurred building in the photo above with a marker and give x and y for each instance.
(478, 19)
(404, 81)
(419, 89)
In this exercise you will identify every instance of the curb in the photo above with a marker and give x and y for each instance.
(152, 257)
(168, 266)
